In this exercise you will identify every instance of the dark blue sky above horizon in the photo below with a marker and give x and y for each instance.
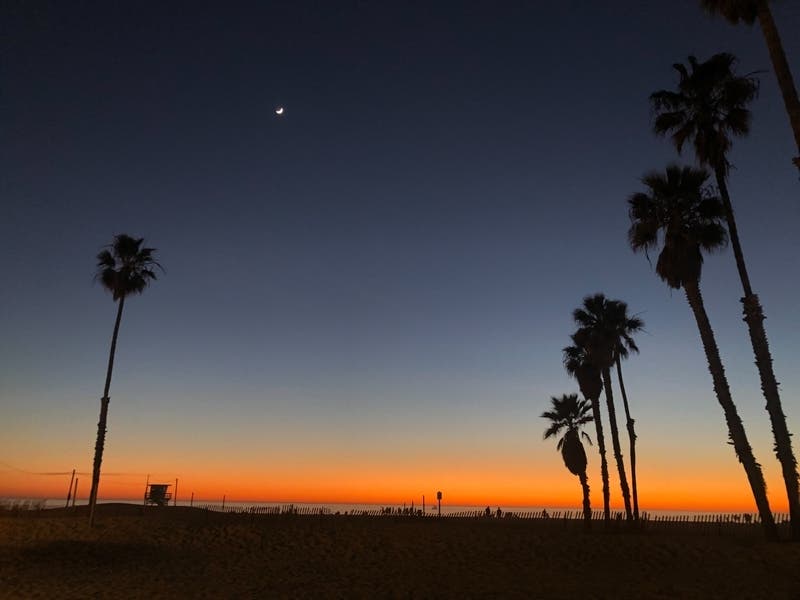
(446, 184)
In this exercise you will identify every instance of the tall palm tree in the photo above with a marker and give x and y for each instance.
(123, 268)
(570, 414)
(679, 215)
(577, 364)
(708, 108)
(747, 11)
(597, 333)
(624, 327)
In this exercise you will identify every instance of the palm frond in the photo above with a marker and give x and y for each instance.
(553, 430)
(708, 107)
(682, 215)
(125, 268)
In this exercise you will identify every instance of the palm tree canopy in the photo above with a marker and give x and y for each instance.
(681, 214)
(125, 268)
(573, 453)
(578, 365)
(709, 106)
(605, 329)
(569, 413)
(733, 10)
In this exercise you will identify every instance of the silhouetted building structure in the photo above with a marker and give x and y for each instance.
(158, 494)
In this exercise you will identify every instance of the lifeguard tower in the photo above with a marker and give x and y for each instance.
(157, 494)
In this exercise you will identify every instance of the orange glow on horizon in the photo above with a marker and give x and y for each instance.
(373, 488)
(388, 476)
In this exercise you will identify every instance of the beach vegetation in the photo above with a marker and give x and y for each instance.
(124, 268)
(707, 110)
(569, 414)
(748, 11)
(597, 321)
(679, 216)
(578, 365)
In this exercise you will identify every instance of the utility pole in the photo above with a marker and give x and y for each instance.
(69, 492)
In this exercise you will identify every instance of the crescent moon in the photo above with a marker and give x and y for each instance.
(279, 110)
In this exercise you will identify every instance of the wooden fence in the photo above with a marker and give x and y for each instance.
(714, 523)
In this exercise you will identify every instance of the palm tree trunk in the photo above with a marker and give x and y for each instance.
(587, 506)
(601, 447)
(101, 423)
(754, 317)
(612, 420)
(736, 430)
(632, 438)
(782, 72)
(720, 174)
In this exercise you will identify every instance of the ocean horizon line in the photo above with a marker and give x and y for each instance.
(446, 509)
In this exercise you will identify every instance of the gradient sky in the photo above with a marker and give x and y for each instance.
(366, 298)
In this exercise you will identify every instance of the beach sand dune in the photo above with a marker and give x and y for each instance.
(191, 553)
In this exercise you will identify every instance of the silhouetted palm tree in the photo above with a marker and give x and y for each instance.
(570, 414)
(123, 268)
(625, 326)
(681, 217)
(597, 334)
(709, 107)
(748, 11)
(576, 362)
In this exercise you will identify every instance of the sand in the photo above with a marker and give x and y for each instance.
(190, 553)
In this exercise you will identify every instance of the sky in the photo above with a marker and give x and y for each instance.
(365, 298)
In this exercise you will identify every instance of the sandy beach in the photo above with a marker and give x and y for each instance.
(191, 553)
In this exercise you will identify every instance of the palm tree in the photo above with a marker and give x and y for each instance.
(748, 11)
(624, 327)
(709, 107)
(576, 362)
(123, 268)
(570, 414)
(596, 332)
(681, 216)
